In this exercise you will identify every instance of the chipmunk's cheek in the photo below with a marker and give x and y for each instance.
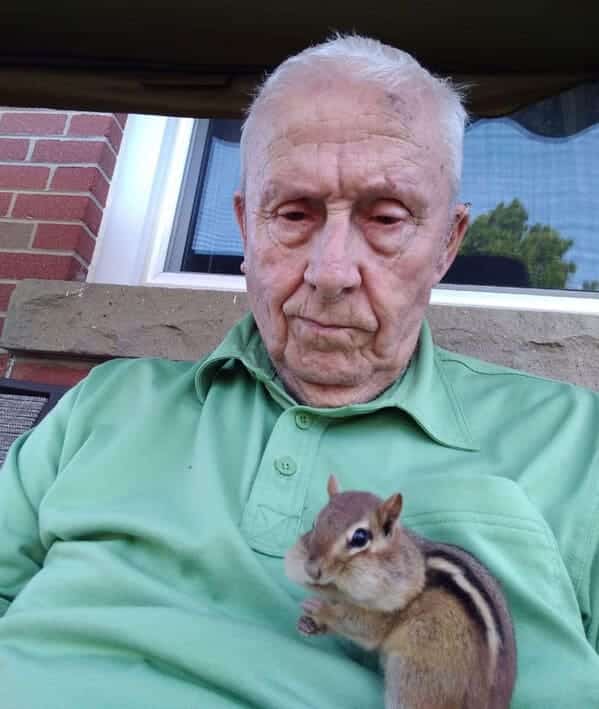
(294, 566)
(330, 577)
(355, 584)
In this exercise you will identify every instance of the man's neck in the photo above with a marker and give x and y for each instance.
(328, 397)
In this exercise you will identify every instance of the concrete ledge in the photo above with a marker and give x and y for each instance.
(561, 346)
(102, 321)
(96, 321)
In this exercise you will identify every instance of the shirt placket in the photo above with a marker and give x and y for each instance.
(273, 513)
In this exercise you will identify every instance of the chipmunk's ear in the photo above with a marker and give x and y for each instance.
(388, 512)
(332, 486)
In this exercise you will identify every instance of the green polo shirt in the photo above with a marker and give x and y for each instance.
(143, 524)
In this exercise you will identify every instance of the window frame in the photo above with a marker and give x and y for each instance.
(141, 211)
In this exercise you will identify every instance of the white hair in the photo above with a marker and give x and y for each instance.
(368, 60)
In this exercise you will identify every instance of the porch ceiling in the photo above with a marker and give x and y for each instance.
(146, 54)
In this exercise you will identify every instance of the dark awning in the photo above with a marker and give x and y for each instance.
(202, 58)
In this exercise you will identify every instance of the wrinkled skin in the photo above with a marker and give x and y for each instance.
(347, 222)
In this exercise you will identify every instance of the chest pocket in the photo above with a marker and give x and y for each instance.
(494, 519)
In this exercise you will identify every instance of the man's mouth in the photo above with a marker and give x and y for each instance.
(318, 325)
(328, 333)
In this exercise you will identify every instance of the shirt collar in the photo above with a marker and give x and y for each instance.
(423, 391)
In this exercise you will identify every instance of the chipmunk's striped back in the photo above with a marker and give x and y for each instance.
(460, 573)
(443, 570)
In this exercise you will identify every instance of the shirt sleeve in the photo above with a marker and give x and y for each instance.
(28, 472)
(592, 623)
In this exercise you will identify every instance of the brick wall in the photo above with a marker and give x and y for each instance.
(55, 171)
(62, 371)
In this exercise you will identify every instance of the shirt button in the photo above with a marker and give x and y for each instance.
(303, 420)
(285, 465)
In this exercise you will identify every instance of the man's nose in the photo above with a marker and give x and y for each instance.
(333, 267)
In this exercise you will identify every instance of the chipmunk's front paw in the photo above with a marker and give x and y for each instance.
(313, 623)
(314, 607)
(308, 626)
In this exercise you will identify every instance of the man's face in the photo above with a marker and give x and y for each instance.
(347, 224)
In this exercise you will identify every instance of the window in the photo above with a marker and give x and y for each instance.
(532, 179)
(206, 237)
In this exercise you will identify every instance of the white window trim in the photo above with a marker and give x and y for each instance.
(141, 206)
(140, 212)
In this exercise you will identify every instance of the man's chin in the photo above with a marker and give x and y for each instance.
(330, 369)
(323, 388)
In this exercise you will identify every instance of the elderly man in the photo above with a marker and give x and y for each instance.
(143, 523)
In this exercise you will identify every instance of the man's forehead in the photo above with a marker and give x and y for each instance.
(335, 116)
(347, 111)
(350, 155)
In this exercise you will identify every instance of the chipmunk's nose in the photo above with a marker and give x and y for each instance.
(313, 569)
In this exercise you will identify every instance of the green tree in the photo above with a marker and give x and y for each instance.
(504, 231)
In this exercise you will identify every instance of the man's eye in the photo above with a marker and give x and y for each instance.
(360, 538)
(386, 212)
(386, 219)
(294, 216)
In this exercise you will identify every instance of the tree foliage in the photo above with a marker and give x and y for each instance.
(504, 231)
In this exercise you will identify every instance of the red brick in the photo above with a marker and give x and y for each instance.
(122, 119)
(29, 177)
(3, 356)
(93, 217)
(50, 206)
(74, 179)
(79, 272)
(5, 198)
(86, 246)
(100, 189)
(57, 236)
(115, 135)
(5, 290)
(16, 266)
(13, 149)
(81, 179)
(91, 124)
(49, 371)
(107, 161)
(32, 123)
(68, 151)
(65, 237)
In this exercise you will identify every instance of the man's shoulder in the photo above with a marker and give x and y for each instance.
(518, 413)
(465, 370)
(141, 367)
(142, 378)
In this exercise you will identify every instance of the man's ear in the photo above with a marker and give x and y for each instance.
(459, 226)
(239, 208)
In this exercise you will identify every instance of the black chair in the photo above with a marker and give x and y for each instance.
(22, 405)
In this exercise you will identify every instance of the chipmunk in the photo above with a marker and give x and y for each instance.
(435, 614)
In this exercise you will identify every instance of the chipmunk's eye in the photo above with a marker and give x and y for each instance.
(360, 538)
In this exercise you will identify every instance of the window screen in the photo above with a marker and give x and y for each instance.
(532, 179)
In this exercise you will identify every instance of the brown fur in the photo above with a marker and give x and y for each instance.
(399, 594)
